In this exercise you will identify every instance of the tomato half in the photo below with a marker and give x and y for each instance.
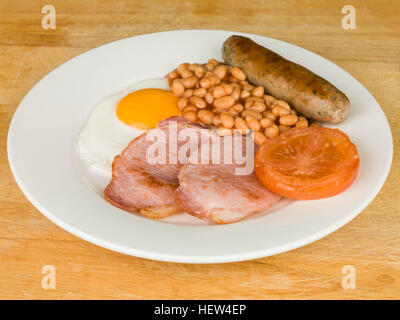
(307, 163)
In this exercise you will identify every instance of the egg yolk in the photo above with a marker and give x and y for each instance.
(143, 109)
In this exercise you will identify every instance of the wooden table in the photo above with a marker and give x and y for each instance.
(28, 241)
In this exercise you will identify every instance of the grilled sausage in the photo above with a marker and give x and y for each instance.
(309, 94)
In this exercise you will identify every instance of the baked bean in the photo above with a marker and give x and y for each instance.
(236, 94)
(259, 137)
(238, 107)
(188, 93)
(265, 122)
(248, 87)
(279, 111)
(269, 115)
(226, 120)
(224, 102)
(281, 103)
(200, 92)
(209, 98)
(218, 92)
(189, 82)
(302, 123)
(283, 128)
(182, 66)
(241, 125)
(269, 100)
(205, 83)
(186, 73)
(222, 131)
(248, 104)
(192, 67)
(228, 89)
(244, 94)
(198, 102)
(293, 112)
(210, 81)
(190, 115)
(314, 124)
(177, 88)
(258, 92)
(205, 116)
(288, 120)
(213, 61)
(253, 98)
(253, 123)
(215, 80)
(272, 131)
(216, 120)
(256, 106)
(199, 72)
(233, 112)
(232, 79)
(173, 75)
(182, 102)
(220, 72)
(190, 107)
(252, 113)
(210, 66)
(238, 73)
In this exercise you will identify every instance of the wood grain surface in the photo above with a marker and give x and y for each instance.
(28, 240)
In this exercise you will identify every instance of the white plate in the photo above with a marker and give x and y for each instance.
(44, 128)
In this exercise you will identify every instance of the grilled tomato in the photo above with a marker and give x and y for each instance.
(307, 163)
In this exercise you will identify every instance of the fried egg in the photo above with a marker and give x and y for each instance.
(117, 119)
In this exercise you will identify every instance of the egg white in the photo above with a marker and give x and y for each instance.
(104, 136)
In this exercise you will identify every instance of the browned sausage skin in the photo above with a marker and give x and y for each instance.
(309, 94)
